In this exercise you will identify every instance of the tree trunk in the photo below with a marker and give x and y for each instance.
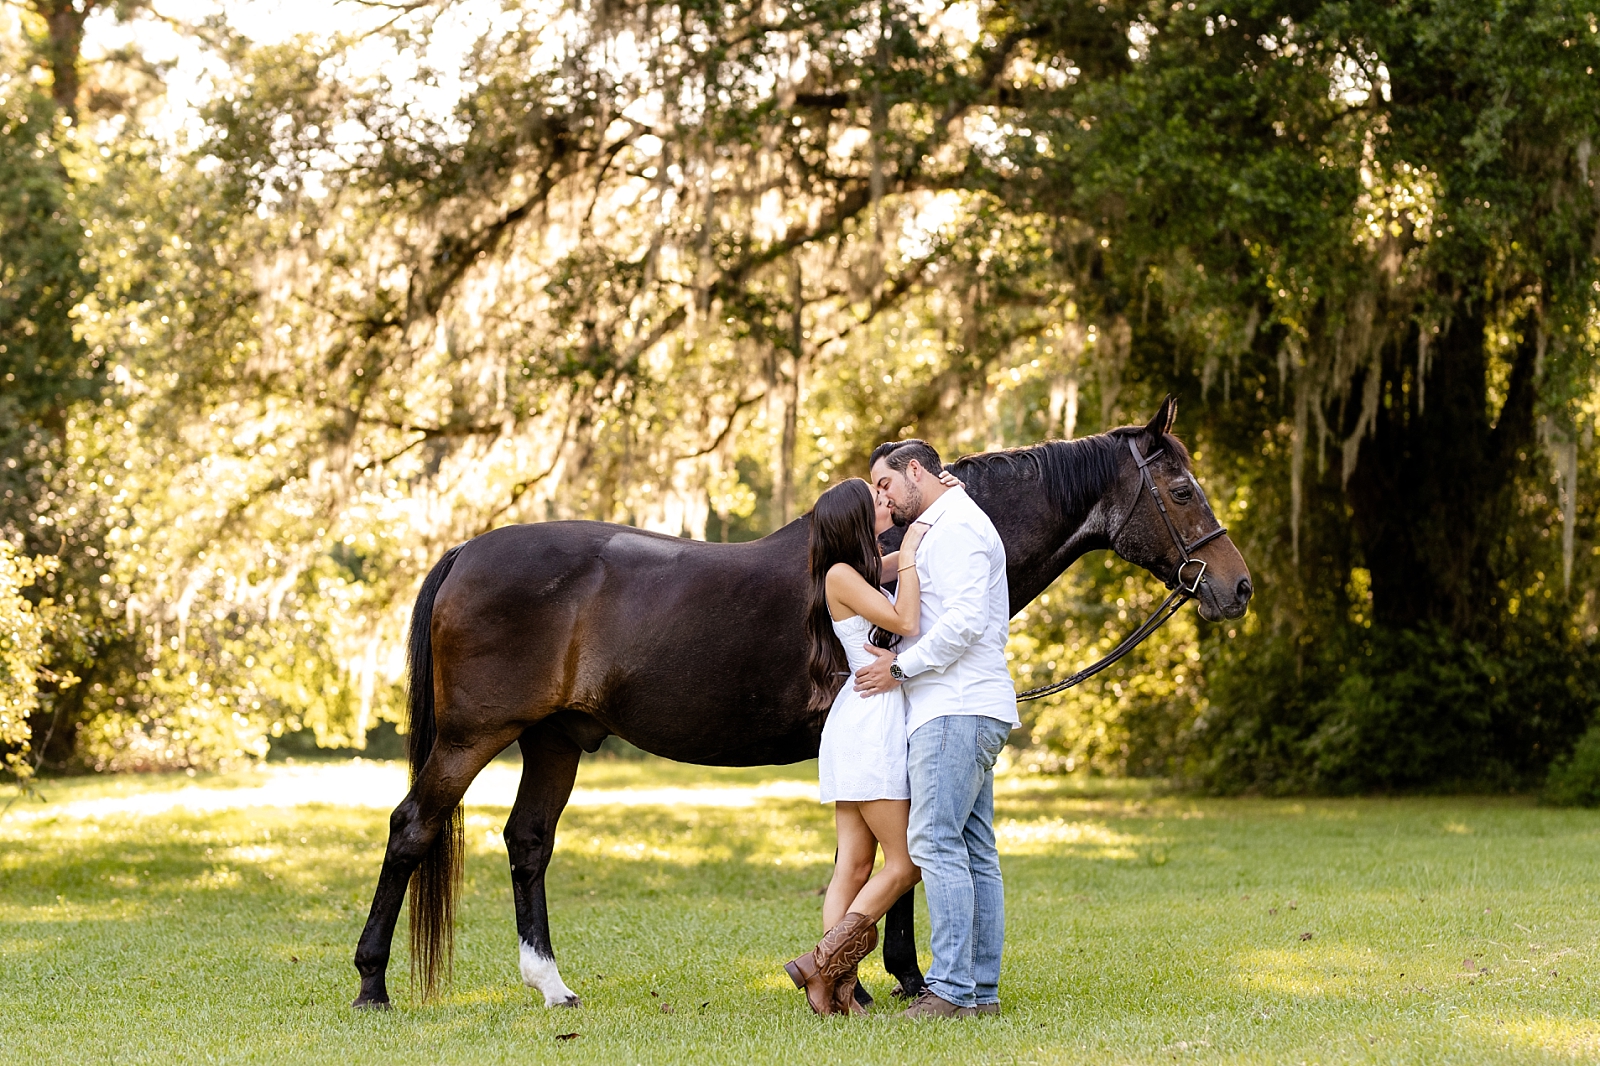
(791, 401)
(1433, 483)
(64, 19)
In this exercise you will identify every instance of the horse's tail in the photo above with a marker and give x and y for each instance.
(437, 879)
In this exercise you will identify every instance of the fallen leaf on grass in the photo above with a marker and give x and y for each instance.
(1468, 965)
(1305, 936)
(566, 1036)
(666, 1008)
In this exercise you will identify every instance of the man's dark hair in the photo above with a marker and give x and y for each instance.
(899, 453)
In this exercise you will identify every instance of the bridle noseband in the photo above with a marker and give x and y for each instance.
(1180, 593)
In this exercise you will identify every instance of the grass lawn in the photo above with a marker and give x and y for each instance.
(1140, 928)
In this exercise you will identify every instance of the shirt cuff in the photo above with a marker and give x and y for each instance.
(910, 663)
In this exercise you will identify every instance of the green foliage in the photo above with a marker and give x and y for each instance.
(44, 370)
(42, 281)
(1137, 717)
(684, 267)
(29, 631)
(45, 373)
(1386, 709)
(1380, 218)
(1574, 779)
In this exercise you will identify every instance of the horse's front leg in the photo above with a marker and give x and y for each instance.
(549, 767)
(900, 946)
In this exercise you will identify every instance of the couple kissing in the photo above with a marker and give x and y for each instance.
(910, 743)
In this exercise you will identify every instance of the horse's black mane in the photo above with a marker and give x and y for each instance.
(1073, 473)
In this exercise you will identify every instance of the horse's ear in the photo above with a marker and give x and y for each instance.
(1166, 417)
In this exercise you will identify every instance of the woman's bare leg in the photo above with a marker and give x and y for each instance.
(885, 821)
(857, 849)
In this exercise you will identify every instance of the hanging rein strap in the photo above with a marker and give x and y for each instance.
(1181, 592)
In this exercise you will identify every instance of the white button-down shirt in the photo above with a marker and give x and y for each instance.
(957, 665)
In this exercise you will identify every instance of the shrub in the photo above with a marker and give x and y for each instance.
(26, 632)
(1574, 779)
(1391, 710)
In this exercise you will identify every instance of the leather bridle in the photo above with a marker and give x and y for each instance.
(1180, 594)
(1186, 550)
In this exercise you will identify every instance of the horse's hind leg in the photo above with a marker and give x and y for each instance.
(413, 828)
(549, 766)
(900, 946)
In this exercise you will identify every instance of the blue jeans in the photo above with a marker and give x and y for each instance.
(951, 838)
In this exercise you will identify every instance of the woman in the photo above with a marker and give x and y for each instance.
(862, 764)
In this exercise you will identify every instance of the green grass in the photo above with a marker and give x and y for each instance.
(1140, 928)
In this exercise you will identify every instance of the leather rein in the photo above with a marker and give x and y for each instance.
(1181, 593)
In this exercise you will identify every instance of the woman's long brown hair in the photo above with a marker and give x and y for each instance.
(841, 532)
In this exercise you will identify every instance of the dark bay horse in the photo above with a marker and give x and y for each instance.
(556, 634)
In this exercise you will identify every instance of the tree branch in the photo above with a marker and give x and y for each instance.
(738, 406)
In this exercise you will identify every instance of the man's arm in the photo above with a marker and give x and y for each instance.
(960, 562)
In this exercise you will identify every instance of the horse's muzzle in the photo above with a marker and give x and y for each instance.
(1216, 605)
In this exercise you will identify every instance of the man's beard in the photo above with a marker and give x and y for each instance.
(907, 515)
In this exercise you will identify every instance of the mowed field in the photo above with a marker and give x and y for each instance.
(212, 919)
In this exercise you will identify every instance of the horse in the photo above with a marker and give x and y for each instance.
(557, 634)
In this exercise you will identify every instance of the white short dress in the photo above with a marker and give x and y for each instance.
(863, 753)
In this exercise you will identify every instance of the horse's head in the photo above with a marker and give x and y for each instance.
(1163, 522)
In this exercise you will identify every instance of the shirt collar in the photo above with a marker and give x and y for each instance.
(937, 508)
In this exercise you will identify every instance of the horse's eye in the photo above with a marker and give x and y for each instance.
(1181, 493)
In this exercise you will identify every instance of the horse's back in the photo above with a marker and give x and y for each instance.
(545, 562)
(688, 649)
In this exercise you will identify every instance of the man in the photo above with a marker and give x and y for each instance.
(961, 709)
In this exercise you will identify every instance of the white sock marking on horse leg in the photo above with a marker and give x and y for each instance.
(539, 971)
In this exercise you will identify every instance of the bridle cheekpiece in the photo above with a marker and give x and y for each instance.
(1186, 549)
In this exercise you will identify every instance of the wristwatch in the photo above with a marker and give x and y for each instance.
(895, 671)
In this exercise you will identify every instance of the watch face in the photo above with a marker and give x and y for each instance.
(895, 672)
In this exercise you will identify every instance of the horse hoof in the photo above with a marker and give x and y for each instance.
(567, 1001)
(363, 1003)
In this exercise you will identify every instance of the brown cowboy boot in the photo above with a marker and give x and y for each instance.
(842, 964)
(844, 995)
(836, 955)
(803, 972)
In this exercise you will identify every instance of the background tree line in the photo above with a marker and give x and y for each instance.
(683, 265)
